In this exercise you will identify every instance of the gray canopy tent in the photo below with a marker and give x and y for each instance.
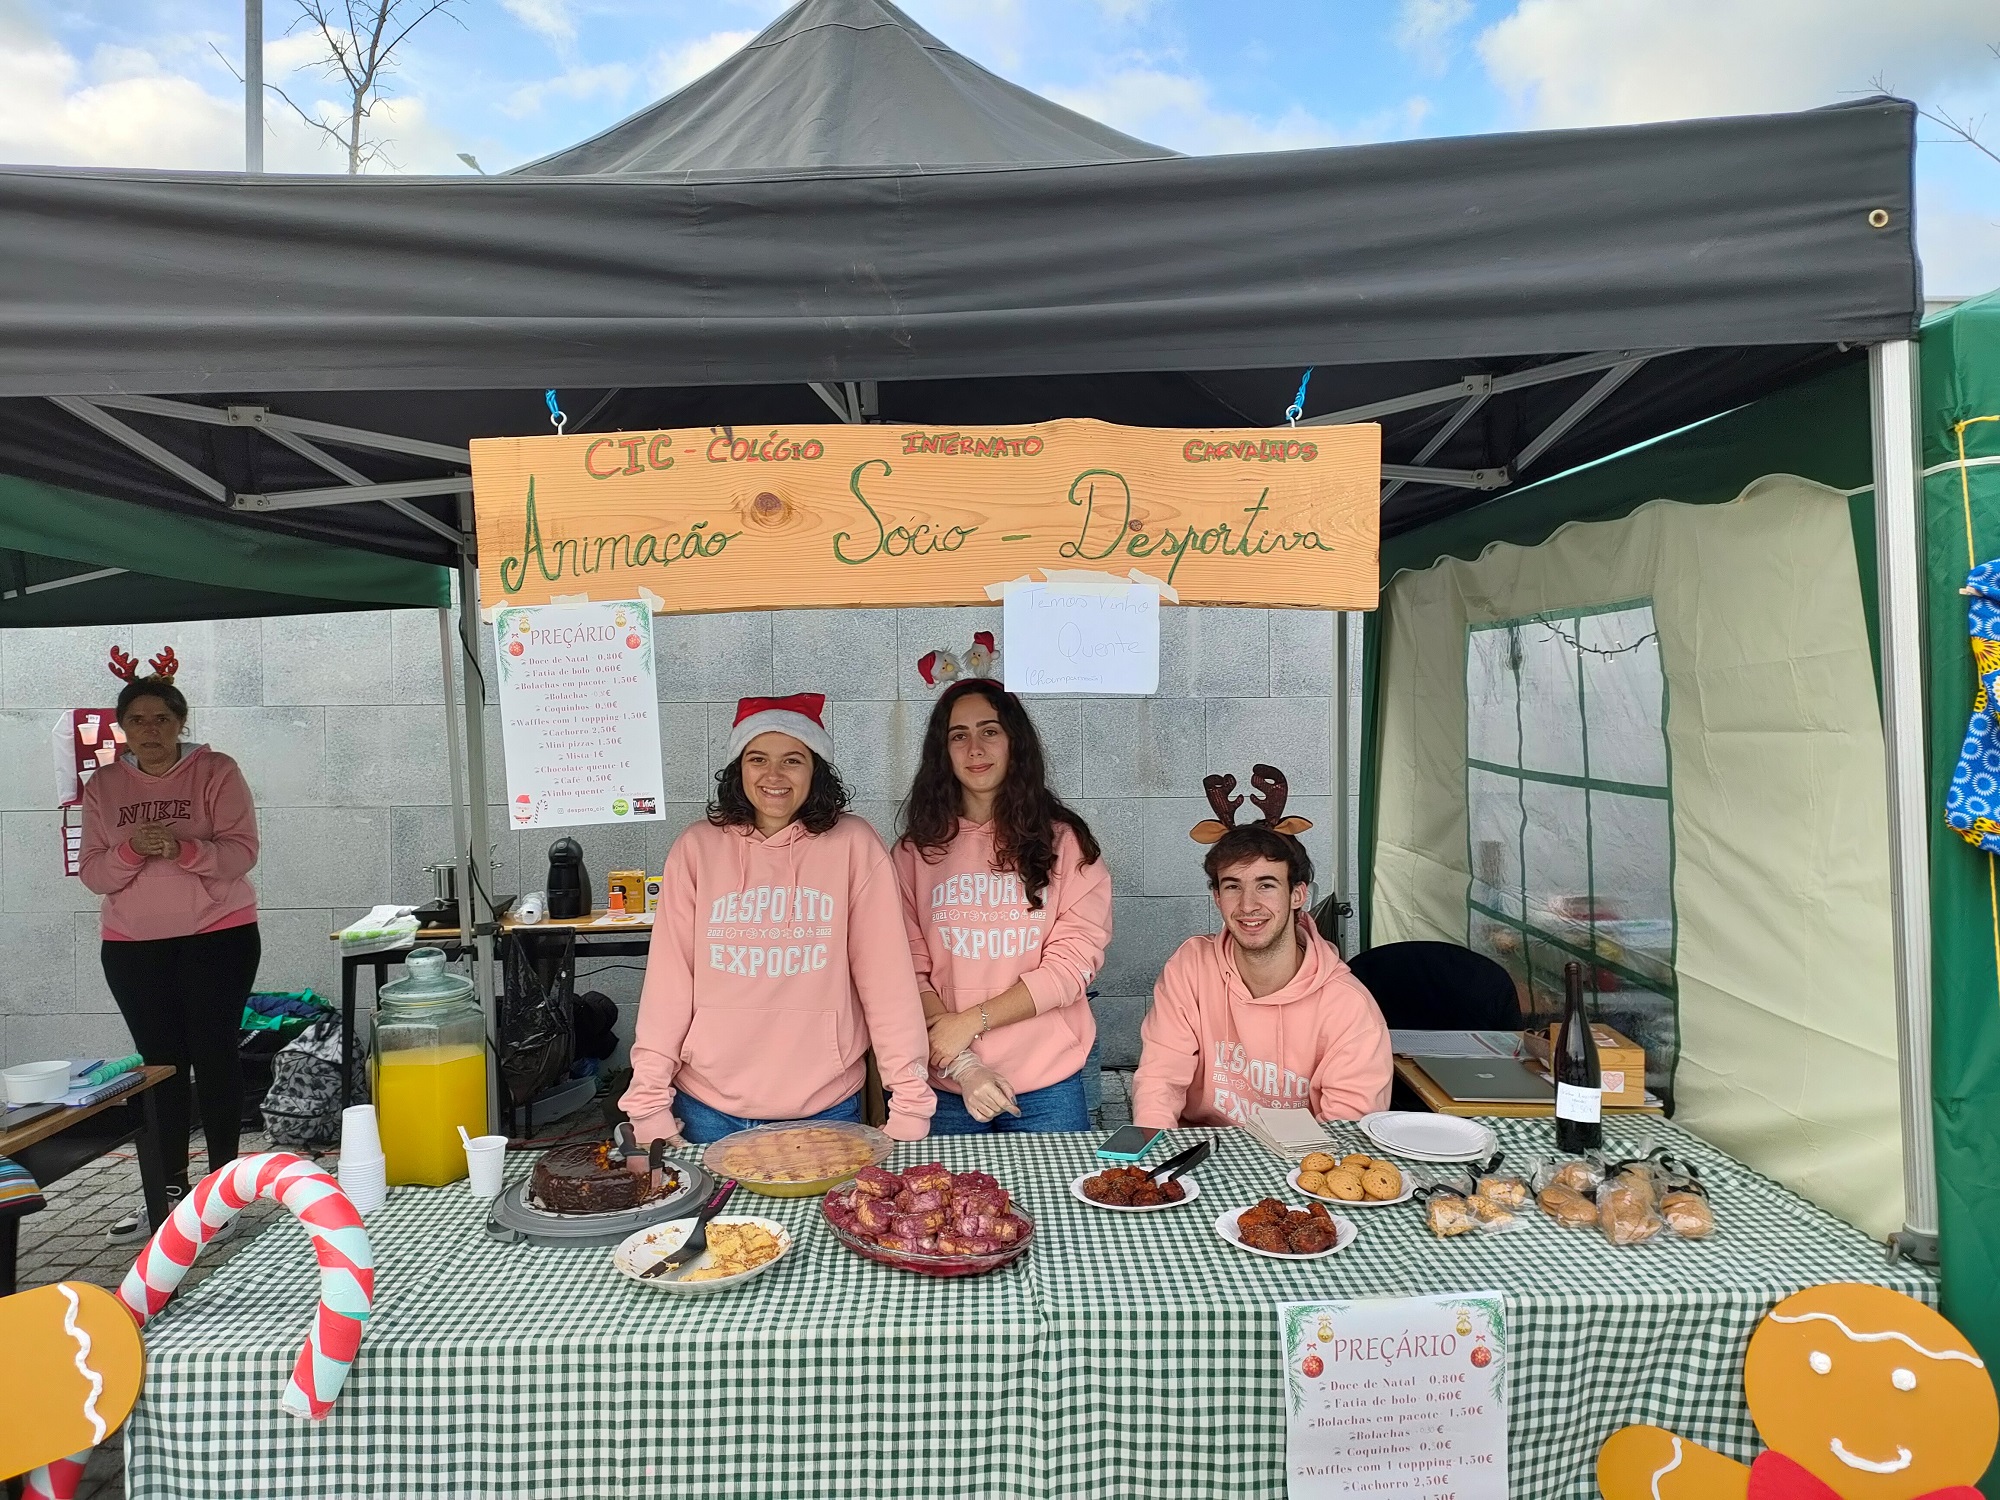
(848, 216)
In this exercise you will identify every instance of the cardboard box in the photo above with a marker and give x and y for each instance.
(633, 884)
(1621, 1060)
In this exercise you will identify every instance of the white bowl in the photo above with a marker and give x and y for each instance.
(36, 1082)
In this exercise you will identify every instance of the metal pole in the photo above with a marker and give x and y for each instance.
(460, 800)
(1343, 772)
(253, 85)
(1892, 381)
(479, 897)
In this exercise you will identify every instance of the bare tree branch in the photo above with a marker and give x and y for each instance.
(360, 39)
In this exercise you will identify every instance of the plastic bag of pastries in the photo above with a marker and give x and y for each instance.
(1572, 1174)
(1687, 1213)
(1567, 1206)
(1628, 1209)
(1446, 1212)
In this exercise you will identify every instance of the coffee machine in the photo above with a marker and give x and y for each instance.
(568, 890)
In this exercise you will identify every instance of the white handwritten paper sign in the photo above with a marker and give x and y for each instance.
(579, 714)
(1069, 638)
(1404, 1398)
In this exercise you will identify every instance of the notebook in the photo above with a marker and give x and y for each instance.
(1487, 1080)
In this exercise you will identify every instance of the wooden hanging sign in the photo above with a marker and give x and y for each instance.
(797, 517)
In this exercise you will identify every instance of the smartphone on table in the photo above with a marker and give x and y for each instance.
(1128, 1143)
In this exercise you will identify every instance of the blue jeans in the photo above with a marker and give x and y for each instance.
(1060, 1106)
(701, 1124)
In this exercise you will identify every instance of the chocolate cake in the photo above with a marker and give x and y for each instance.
(588, 1179)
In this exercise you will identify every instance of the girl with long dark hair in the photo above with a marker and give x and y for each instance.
(778, 956)
(1008, 904)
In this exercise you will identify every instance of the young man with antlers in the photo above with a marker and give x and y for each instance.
(1264, 1012)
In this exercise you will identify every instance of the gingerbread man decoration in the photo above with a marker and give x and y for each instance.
(1859, 1393)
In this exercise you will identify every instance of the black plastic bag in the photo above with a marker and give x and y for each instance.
(537, 1014)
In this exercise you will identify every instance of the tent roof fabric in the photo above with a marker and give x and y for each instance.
(1705, 233)
(68, 558)
(844, 83)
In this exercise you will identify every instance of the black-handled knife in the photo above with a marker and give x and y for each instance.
(1187, 1161)
(696, 1242)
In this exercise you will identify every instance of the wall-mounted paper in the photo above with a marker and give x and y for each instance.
(1062, 638)
(579, 714)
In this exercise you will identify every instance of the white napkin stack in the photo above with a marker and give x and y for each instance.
(1288, 1134)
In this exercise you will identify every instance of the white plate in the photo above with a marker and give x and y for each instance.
(1076, 1191)
(1225, 1225)
(637, 1252)
(1409, 1191)
(1421, 1136)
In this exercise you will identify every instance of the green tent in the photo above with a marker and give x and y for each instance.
(1748, 541)
(70, 558)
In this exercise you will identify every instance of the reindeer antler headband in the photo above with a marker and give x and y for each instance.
(1269, 792)
(125, 666)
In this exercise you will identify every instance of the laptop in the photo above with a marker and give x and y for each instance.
(1487, 1080)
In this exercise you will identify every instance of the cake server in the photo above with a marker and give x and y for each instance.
(696, 1242)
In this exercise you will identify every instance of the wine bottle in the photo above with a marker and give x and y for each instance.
(1579, 1079)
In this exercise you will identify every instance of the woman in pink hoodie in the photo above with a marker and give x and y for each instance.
(778, 955)
(1008, 904)
(1262, 1013)
(169, 839)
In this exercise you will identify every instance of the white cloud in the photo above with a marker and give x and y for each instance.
(605, 81)
(1594, 62)
(54, 111)
(551, 18)
(125, 108)
(675, 67)
(1179, 110)
(1427, 30)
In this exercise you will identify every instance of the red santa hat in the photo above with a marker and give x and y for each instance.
(802, 716)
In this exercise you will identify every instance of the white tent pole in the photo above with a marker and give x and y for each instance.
(479, 866)
(1892, 381)
(1343, 771)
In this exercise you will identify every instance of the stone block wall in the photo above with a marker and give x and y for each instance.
(338, 721)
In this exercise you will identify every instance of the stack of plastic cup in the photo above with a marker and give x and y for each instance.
(363, 1173)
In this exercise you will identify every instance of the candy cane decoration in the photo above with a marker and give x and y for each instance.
(346, 1279)
(346, 1264)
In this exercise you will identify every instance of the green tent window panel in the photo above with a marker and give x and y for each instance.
(1569, 803)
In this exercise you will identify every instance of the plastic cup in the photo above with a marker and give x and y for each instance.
(360, 1132)
(486, 1164)
(366, 1182)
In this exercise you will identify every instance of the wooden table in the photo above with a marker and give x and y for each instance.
(1436, 1100)
(53, 1145)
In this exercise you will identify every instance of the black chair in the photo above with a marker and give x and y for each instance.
(1438, 987)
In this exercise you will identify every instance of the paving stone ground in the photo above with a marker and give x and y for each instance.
(65, 1241)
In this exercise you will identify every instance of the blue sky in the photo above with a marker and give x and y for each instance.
(139, 82)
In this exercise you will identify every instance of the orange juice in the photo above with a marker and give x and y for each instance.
(422, 1096)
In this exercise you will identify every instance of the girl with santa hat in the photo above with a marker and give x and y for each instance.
(779, 955)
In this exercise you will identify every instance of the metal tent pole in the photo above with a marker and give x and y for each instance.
(253, 85)
(1343, 773)
(480, 894)
(460, 799)
(1892, 381)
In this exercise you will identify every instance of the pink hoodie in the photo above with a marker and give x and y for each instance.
(205, 801)
(972, 936)
(1210, 1050)
(775, 964)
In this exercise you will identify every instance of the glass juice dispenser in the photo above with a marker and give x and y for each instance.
(429, 1071)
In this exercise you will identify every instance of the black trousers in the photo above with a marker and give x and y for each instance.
(182, 999)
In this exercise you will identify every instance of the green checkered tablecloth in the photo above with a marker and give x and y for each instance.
(1127, 1355)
